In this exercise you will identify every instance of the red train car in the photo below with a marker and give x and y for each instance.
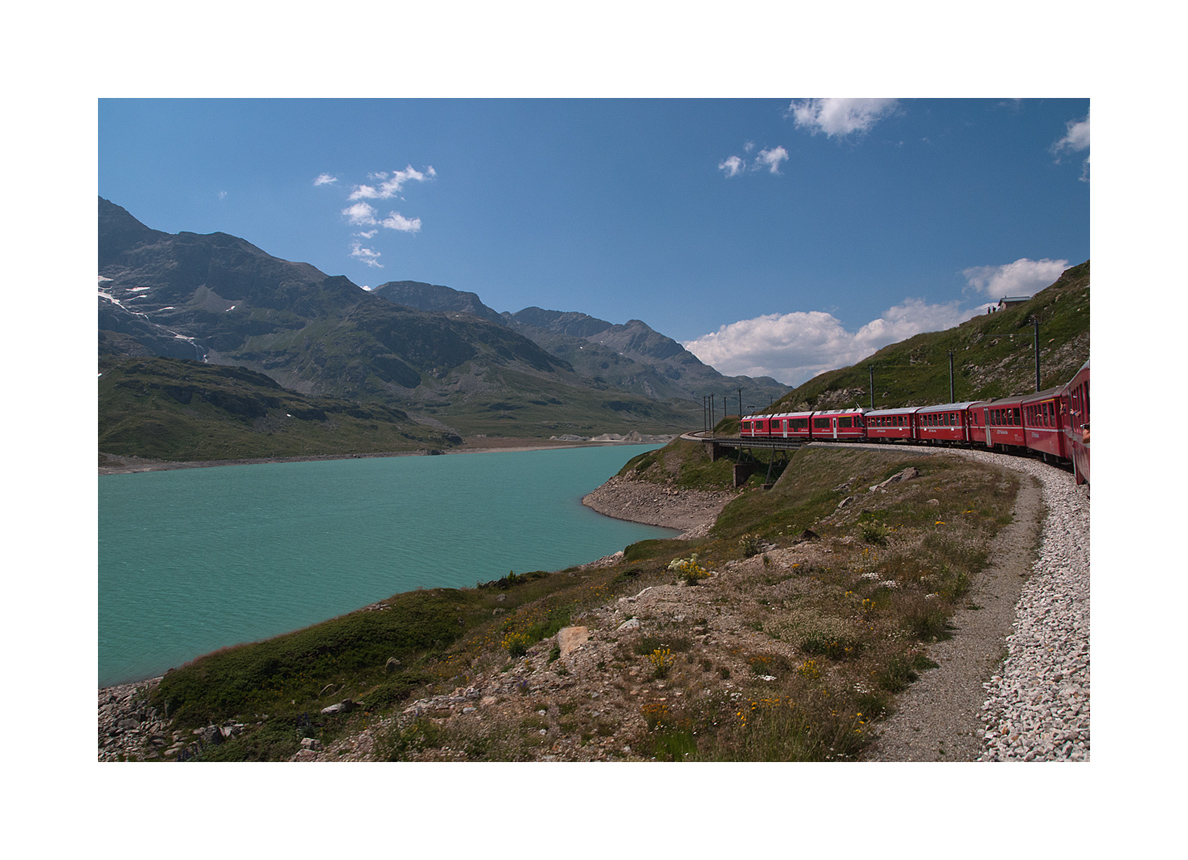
(1075, 404)
(791, 425)
(838, 425)
(1004, 422)
(753, 426)
(1043, 423)
(889, 424)
(948, 422)
(976, 416)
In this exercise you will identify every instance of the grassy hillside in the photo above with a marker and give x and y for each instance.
(993, 356)
(495, 401)
(168, 409)
(173, 409)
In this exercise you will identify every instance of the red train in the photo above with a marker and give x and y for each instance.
(1052, 423)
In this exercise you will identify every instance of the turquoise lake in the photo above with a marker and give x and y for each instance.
(198, 559)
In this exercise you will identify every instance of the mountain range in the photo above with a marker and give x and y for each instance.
(437, 356)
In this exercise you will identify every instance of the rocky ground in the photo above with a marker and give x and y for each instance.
(693, 512)
(1012, 683)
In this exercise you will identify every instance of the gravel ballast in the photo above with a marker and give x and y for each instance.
(1013, 682)
(1037, 706)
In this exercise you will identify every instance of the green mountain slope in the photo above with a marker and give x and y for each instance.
(168, 409)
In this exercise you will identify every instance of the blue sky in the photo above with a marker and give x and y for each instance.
(774, 236)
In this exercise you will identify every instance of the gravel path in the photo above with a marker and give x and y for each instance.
(1034, 704)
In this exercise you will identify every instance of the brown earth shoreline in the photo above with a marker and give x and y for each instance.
(115, 464)
(693, 512)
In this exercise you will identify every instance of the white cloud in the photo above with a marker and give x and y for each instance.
(366, 255)
(839, 117)
(732, 165)
(797, 346)
(1023, 277)
(771, 158)
(360, 213)
(362, 191)
(768, 159)
(391, 184)
(1076, 139)
(222, 195)
(396, 221)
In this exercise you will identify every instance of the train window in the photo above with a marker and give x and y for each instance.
(821, 423)
(846, 422)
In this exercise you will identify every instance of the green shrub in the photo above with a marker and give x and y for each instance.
(750, 544)
(875, 532)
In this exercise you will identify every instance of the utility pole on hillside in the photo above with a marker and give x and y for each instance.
(952, 399)
(872, 387)
(1035, 322)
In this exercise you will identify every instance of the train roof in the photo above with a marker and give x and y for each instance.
(1046, 394)
(899, 410)
(949, 407)
(858, 410)
(1001, 401)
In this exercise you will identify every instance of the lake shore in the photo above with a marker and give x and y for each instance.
(113, 464)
